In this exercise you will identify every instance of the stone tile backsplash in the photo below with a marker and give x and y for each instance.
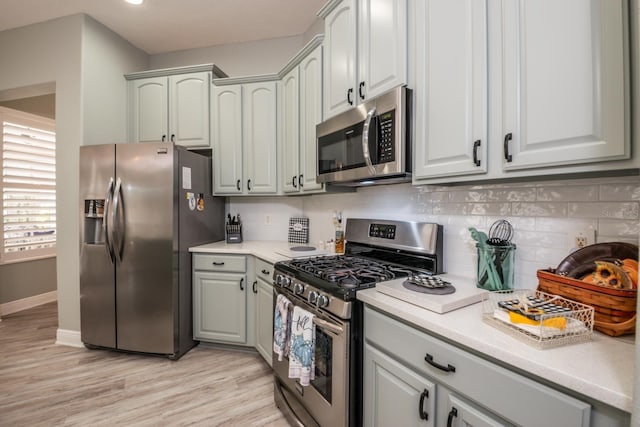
(544, 214)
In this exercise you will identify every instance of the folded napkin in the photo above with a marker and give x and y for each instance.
(281, 326)
(303, 346)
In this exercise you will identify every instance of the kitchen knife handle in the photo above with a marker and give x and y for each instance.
(293, 180)
(242, 284)
(452, 414)
(429, 359)
(255, 287)
(238, 185)
(300, 183)
(508, 137)
(423, 414)
(476, 146)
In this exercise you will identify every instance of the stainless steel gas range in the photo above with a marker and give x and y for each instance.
(403, 253)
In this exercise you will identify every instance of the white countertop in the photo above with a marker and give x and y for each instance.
(601, 368)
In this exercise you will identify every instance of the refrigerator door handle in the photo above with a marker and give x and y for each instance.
(118, 220)
(108, 238)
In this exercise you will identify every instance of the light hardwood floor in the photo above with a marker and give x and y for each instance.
(43, 384)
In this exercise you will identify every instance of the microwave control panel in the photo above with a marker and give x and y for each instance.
(386, 137)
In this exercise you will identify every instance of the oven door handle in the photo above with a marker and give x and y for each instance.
(365, 141)
(329, 326)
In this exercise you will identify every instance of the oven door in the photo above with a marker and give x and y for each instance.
(325, 400)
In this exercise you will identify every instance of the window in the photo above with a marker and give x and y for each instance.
(28, 186)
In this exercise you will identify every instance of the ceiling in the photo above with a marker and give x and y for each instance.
(160, 26)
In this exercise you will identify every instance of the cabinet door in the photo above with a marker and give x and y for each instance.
(290, 131)
(189, 109)
(260, 137)
(382, 46)
(310, 116)
(226, 133)
(219, 313)
(394, 395)
(264, 319)
(451, 88)
(340, 60)
(563, 82)
(460, 413)
(149, 109)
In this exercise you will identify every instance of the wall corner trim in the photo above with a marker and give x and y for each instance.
(68, 338)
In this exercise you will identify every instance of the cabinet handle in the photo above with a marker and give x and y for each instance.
(300, 182)
(423, 414)
(295, 183)
(508, 137)
(164, 138)
(349, 92)
(241, 284)
(429, 359)
(476, 145)
(360, 87)
(217, 263)
(452, 414)
(265, 271)
(173, 138)
(255, 287)
(238, 185)
(248, 185)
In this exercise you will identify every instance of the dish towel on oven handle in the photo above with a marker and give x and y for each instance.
(302, 351)
(281, 326)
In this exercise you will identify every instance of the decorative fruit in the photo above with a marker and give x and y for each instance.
(630, 266)
(610, 275)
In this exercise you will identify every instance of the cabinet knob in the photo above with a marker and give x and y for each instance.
(423, 414)
(173, 138)
(238, 185)
(349, 92)
(452, 414)
(248, 185)
(300, 180)
(164, 138)
(476, 145)
(242, 284)
(255, 287)
(294, 182)
(429, 359)
(360, 92)
(508, 137)
(265, 271)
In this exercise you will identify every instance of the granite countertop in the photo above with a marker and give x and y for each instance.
(601, 369)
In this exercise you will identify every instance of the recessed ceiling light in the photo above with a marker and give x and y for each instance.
(134, 1)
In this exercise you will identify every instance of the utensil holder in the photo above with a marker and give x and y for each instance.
(234, 233)
(495, 266)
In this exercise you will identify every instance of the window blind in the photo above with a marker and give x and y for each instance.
(28, 186)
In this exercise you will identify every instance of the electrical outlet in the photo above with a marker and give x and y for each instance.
(577, 239)
(267, 219)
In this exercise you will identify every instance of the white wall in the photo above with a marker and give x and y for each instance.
(53, 52)
(238, 59)
(543, 213)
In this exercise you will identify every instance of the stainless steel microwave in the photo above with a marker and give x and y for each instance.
(368, 144)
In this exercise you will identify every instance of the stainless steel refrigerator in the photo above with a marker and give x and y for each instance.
(142, 206)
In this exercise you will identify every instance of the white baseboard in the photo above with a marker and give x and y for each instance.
(29, 302)
(68, 338)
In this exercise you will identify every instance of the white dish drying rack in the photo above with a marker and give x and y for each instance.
(557, 321)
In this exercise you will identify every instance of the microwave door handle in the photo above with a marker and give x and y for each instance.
(365, 141)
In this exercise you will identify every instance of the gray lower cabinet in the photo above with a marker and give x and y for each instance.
(264, 308)
(220, 299)
(412, 378)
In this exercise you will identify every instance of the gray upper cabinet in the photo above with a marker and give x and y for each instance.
(365, 51)
(170, 108)
(300, 110)
(244, 138)
(535, 88)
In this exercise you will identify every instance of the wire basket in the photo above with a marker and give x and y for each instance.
(551, 321)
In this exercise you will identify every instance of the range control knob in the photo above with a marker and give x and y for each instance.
(279, 279)
(322, 301)
(298, 288)
(286, 282)
(312, 297)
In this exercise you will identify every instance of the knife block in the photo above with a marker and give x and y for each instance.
(234, 233)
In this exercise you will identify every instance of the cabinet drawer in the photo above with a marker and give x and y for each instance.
(512, 396)
(213, 262)
(264, 270)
